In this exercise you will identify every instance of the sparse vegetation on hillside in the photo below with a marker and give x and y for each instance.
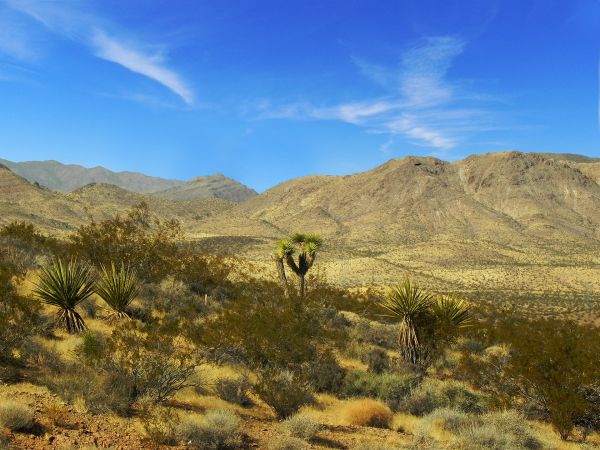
(214, 355)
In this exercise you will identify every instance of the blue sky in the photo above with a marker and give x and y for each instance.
(265, 90)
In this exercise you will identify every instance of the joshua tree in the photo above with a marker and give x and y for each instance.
(279, 258)
(426, 321)
(306, 245)
(65, 285)
(118, 288)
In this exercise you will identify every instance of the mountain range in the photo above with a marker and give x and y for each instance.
(69, 177)
(503, 221)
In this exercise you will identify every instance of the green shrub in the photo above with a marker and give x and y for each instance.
(378, 360)
(15, 416)
(284, 391)
(392, 388)
(547, 366)
(434, 394)
(139, 241)
(325, 374)
(301, 426)
(218, 429)
(145, 360)
(234, 390)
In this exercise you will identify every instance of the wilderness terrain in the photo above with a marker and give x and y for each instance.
(502, 223)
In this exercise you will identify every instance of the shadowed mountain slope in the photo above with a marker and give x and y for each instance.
(67, 177)
(214, 186)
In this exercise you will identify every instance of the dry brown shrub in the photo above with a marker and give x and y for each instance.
(368, 413)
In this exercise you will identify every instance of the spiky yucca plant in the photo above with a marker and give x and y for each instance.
(65, 285)
(452, 313)
(118, 288)
(306, 245)
(409, 304)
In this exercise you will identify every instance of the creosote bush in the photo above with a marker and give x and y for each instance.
(368, 413)
(546, 366)
(146, 361)
(284, 391)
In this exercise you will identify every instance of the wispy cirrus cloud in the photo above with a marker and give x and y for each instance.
(72, 21)
(420, 103)
(151, 66)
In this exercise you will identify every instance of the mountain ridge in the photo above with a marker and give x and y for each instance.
(518, 219)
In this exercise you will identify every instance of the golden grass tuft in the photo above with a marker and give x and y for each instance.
(368, 413)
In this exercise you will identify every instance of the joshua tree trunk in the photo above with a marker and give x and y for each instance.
(302, 284)
(282, 276)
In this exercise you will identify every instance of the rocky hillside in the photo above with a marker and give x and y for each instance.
(214, 186)
(68, 177)
(507, 220)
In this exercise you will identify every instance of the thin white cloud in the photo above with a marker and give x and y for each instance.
(151, 66)
(420, 104)
(74, 21)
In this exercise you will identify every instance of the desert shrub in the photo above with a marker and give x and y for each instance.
(368, 413)
(367, 331)
(375, 446)
(377, 360)
(138, 241)
(392, 388)
(434, 394)
(19, 316)
(266, 329)
(159, 423)
(99, 392)
(444, 419)
(15, 416)
(301, 426)
(325, 374)
(284, 391)
(287, 443)
(218, 429)
(144, 360)
(234, 390)
(499, 430)
(547, 367)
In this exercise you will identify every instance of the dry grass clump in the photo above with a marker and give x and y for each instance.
(15, 416)
(234, 390)
(301, 426)
(159, 423)
(500, 430)
(434, 394)
(218, 429)
(368, 413)
(287, 443)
